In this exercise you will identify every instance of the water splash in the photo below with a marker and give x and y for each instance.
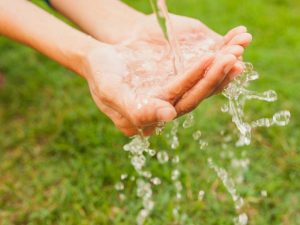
(144, 77)
(237, 93)
(189, 121)
(228, 183)
(138, 148)
(161, 11)
(162, 157)
(201, 195)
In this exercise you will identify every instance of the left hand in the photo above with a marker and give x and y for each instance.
(233, 43)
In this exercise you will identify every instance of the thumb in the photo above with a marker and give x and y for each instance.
(152, 111)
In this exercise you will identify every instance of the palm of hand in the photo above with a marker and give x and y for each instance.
(141, 105)
(184, 28)
(132, 107)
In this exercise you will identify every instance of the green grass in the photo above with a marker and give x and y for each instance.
(60, 157)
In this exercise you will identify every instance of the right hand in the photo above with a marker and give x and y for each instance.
(105, 70)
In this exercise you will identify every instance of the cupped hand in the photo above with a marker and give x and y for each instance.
(134, 111)
(226, 47)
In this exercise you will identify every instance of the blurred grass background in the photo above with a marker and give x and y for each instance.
(60, 157)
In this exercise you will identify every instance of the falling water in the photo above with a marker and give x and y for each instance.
(163, 18)
(144, 76)
(237, 93)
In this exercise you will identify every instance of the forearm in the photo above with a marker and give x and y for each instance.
(30, 25)
(106, 20)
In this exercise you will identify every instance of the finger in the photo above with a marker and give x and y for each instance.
(234, 72)
(206, 86)
(129, 132)
(184, 82)
(234, 32)
(149, 111)
(122, 123)
(236, 50)
(242, 39)
(149, 130)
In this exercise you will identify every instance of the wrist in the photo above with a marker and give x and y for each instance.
(84, 56)
(80, 55)
(121, 30)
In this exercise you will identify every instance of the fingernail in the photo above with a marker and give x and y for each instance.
(243, 28)
(166, 114)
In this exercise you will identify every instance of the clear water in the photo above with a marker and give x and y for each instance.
(149, 67)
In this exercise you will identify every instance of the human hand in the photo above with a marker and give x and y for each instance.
(132, 107)
(226, 47)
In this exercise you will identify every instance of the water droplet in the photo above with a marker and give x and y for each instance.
(175, 143)
(156, 181)
(138, 162)
(147, 174)
(239, 202)
(248, 67)
(189, 121)
(264, 122)
(264, 193)
(122, 197)
(253, 75)
(178, 196)
(151, 152)
(160, 128)
(178, 186)
(162, 157)
(176, 159)
(225, 108)
(282, 118)
(124, 176)
(270, 96)
(197, 135)
(201, 195)
(175, 212)
(242, 219)
(203, 144)
(175, 174)
(119, 186)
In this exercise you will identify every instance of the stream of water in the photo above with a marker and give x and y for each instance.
(150, 66)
